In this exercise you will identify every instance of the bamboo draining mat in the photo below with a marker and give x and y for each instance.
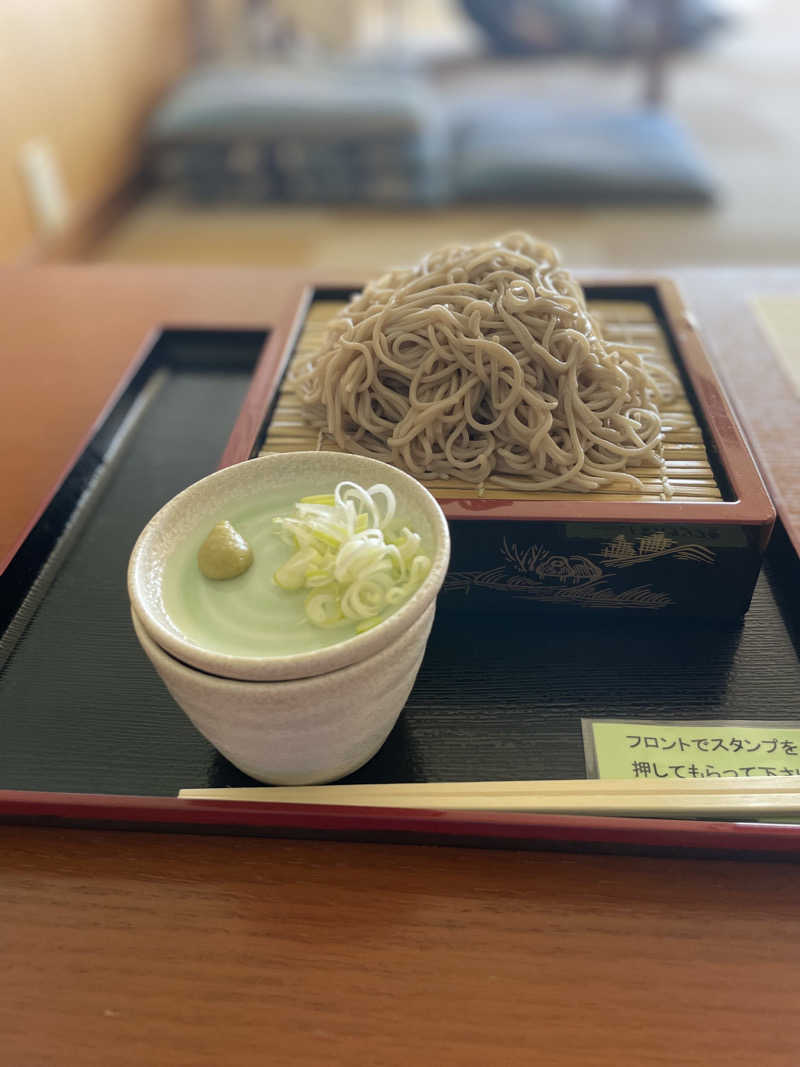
(632, 322)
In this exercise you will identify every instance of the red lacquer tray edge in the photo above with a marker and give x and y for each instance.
(417, 826)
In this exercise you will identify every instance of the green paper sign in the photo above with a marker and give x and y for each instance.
(689, 750)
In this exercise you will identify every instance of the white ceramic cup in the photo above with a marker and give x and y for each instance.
(220, 495)
(305, 731)
(310, 717)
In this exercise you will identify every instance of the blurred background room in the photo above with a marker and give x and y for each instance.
(349, 135)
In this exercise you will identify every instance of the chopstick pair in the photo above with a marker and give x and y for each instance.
(737, 799)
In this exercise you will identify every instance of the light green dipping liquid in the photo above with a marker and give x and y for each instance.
(249, 615)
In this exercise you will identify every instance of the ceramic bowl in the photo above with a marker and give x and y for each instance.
(300, 732)
(225, 493)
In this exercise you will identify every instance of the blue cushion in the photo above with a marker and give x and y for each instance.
(542, 154)
(338, 135)
(311, 135)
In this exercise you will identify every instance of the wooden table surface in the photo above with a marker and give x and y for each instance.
(130, 948)
(139, 948)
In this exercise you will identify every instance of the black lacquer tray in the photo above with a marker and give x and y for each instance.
(88, 734)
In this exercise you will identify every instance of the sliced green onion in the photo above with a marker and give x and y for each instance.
(292, 575)
(349, 557)
(324, 498)
(323, 608)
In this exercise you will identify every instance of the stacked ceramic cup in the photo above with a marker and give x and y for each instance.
(310, 716)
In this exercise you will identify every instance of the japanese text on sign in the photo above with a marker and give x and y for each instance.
(690, 750)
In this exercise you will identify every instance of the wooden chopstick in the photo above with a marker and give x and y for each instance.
(699, 798)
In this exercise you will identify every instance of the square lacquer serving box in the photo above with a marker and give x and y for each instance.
(695, 549)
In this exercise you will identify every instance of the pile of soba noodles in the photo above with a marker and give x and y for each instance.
(483, 363)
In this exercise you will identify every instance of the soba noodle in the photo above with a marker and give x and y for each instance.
(483, 363)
